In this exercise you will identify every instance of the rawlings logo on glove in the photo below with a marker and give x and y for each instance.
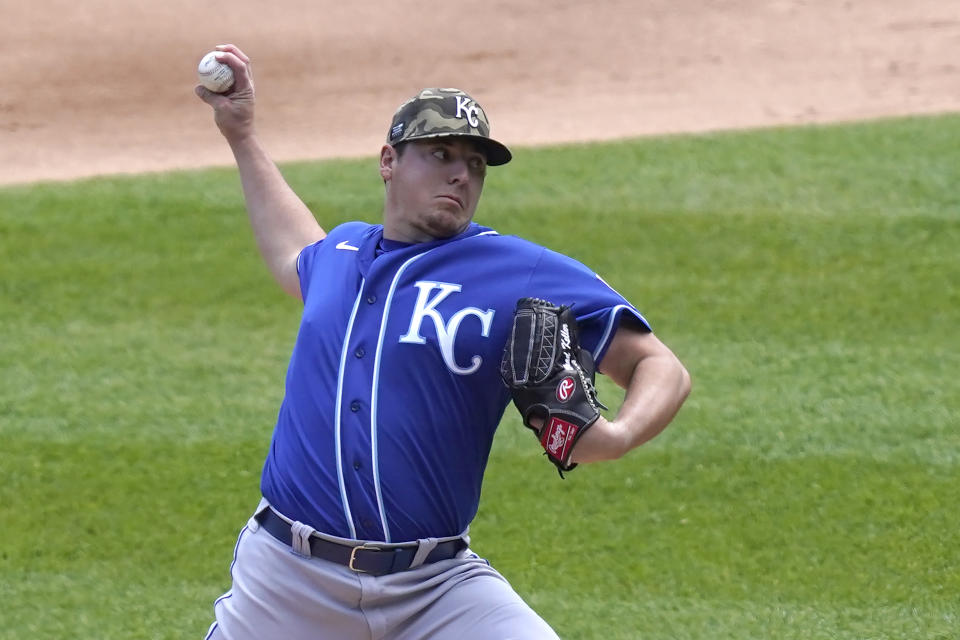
(551, 379)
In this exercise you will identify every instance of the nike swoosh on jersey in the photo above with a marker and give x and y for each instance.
(343, 244)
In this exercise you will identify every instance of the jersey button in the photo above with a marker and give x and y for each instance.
(371, 299)
(356, 465)
(359, 352)
(354, 406)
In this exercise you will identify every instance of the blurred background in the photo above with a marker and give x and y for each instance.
(104, 86)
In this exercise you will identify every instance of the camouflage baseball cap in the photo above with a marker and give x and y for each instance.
(436, 113)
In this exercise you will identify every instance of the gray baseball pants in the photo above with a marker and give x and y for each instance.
(278, 594)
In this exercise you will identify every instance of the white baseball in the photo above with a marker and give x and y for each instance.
(213, 74)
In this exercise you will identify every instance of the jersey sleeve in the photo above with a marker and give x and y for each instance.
(305, 262)
(316, 261)
(599, 308)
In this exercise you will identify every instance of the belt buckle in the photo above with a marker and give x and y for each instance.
(353, 556)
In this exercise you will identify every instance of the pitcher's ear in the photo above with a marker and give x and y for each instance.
(388, 159)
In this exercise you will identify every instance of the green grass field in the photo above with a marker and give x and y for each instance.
(809, 278)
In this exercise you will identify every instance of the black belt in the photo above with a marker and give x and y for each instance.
(365, 558)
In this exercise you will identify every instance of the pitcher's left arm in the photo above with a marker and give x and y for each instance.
(656, 384)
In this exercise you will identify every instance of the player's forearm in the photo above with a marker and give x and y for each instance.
(282, 224)
(656, 390)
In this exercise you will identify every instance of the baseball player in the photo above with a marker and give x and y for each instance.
(396, 385)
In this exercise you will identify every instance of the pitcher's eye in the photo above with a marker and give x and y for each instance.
(440, 153)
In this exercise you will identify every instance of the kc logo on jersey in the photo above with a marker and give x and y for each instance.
(431, 294)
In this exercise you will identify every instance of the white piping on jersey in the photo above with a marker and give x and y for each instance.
(611, 323)
(373, 395)
(376, 383)
(343, 362)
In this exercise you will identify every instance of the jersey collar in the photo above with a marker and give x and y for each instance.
(373, 234)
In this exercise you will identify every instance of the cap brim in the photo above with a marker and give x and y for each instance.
(497, 153)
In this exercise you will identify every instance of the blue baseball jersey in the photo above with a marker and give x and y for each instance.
(393, 392)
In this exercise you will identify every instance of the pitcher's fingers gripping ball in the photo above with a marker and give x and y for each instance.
(551, 379)
(213, 74)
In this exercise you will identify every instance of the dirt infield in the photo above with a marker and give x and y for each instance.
(105, 86)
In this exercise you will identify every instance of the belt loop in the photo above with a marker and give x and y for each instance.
(424, 547)
(300, 538)
(254, 522)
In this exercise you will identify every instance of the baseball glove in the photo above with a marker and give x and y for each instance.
(550, 377)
